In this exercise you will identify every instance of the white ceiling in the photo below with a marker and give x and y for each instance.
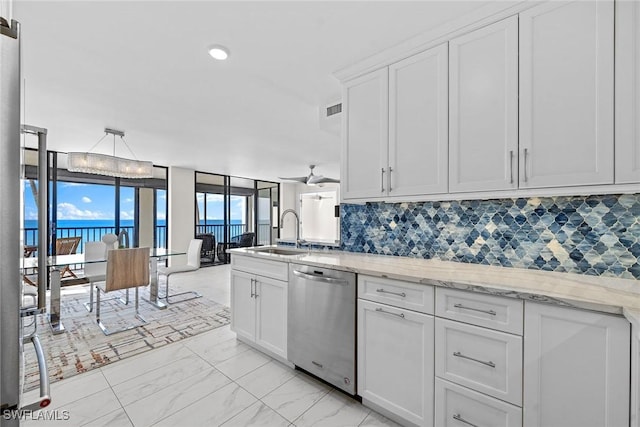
(143, 67)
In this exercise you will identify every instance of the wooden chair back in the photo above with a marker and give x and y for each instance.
(127, 268)
(67, 245)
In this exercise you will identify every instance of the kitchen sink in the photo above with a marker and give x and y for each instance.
(279, 251)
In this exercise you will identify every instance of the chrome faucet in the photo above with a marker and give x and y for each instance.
(298, 241)
(123, 239)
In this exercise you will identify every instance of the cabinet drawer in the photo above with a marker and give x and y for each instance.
(457, 406)
(274, 269)
(503, 314)
(401, 294)
(484, 360)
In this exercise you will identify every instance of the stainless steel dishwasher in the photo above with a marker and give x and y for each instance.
(322, 324)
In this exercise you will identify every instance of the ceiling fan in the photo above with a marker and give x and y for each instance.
(312, 179)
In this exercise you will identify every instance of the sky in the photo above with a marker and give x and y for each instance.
(96, 202)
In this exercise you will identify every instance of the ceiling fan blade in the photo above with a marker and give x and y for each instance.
(319, 179)
(302, 179)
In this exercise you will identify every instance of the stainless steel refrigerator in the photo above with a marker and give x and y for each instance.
(13, 311)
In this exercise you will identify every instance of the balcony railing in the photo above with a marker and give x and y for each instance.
(217, 230)
(88, 234)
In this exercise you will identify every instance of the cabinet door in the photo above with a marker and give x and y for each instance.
(243, 306)
(483, 108)
(635, 377)
(365, 136)
(576, 368)
(627, 92)
(418, 122)
(566, 94)
(395, 361)
(271, 312)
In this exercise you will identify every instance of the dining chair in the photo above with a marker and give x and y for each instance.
(111, 240)
(193, 264)
(126, 269)
(94, 271)
(67, 246)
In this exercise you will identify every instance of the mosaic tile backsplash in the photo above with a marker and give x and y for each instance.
(596, 235)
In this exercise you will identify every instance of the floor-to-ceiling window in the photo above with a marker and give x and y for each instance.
(228, 208)
(89, 206)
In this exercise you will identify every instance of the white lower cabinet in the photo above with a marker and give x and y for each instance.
(259, 311)
(576, 368)
(395, 362)
(457, 406)
(635, 377)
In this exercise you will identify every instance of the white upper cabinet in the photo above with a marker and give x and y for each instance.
(627, 92)
(365, 133)
(566, 94)
(483, 109)
(418, 124)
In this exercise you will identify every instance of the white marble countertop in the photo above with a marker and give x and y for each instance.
(604, 294)
(318, 242)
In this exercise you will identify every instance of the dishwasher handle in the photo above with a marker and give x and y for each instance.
(318, 278)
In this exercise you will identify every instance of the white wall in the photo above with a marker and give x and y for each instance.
(182, 213)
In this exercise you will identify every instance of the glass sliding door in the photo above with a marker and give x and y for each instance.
(234, 212)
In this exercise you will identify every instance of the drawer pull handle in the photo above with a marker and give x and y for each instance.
(388, 312)
(491, 312)
(457, 417)
(319, 365)
(400, 294)
(489, 363)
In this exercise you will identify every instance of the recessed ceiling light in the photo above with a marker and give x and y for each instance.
(219, 52)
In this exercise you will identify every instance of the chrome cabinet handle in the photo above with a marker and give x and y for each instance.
(252, 292)
(318, 278)
(401, 315)
(526, 154)
(382, 179)
(489, 363)
(491, 312)
(319, 365)
(389, 178)
(255, 288)
(457, 417)
(511, 167)
(400, 294)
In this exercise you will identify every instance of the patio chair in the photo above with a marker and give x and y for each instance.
(126, 269)
(208, 250)
(243, 240)
(193, 264)
(67, 246)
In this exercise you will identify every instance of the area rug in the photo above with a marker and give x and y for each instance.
(84, 347)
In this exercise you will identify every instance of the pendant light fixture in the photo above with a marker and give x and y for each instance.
(104, 164)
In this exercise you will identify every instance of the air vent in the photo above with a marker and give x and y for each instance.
(334, 109)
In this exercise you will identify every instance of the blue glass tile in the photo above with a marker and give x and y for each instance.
(597, 235)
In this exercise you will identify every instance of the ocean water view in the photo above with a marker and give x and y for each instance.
(94, 229)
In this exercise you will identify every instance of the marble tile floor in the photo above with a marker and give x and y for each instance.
(207, 380)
